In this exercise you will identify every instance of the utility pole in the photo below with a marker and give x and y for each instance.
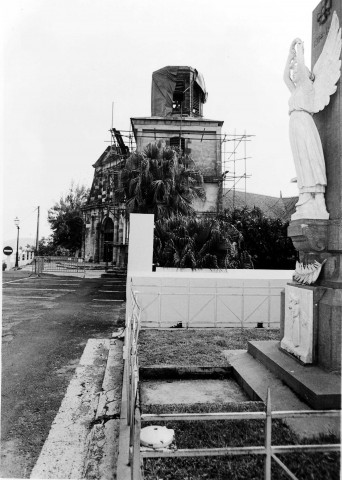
(37, 237)
(16, 223)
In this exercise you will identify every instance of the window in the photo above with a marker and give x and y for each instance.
(178, 97)
(197, 105)
(174, 143)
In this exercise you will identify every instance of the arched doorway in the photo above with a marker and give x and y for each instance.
(108, 237)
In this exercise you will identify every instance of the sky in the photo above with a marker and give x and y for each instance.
(66, 61)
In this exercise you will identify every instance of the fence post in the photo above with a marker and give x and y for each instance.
(135, 465)
(268, 436)
(188, 306)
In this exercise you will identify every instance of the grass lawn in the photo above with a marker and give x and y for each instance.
(204, 347)
(196, 346)
(210, 434)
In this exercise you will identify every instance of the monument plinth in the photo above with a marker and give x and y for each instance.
(317, 239)
(308, 358)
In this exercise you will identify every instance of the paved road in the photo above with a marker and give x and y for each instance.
(46, 324)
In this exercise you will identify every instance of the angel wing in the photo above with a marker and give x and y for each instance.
(327, 69)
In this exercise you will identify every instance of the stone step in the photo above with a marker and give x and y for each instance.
(319, 389)
(122, 274)
(255, 378)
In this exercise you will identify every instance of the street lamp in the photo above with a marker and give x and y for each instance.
(16, 223)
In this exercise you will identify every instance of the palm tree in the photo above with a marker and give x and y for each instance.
(190, 242)
(161, 181)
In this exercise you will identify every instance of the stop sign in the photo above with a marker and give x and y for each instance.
(8, 250)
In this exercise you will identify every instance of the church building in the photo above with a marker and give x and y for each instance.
(177, 99)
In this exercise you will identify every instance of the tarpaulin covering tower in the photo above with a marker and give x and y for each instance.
(177, 91)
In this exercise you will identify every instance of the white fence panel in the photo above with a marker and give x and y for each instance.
(208, 302)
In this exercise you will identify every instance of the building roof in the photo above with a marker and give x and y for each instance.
(273, 207)
(109, 155)
(177, 118)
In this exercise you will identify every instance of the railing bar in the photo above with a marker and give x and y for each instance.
(268, 437)
(306, 413)
(148, 417)
(213, 293)
(284, 467)
(253, 450)
(202, 452)
(284, 449)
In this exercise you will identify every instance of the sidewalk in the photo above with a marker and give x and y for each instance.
(84, 438)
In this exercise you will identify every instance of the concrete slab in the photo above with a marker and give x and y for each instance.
(255, 378)
(191, 391)
(319, 389)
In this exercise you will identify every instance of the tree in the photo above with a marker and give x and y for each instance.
(161, 181)
(265, 238)
(65, 218)
(46, 246)
(204, 242)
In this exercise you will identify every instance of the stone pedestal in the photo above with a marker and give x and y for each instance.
(301, 322)
(313, 240)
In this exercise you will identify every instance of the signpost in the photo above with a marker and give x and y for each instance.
(8, 250)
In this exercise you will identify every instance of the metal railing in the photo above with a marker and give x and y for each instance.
(135, 418)
(58, 264)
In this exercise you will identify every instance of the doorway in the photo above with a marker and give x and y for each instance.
(108, 237)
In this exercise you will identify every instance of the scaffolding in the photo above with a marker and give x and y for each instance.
(234, 158)
(119, 140)
(234, 163)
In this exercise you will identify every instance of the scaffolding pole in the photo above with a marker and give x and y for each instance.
(234, 164)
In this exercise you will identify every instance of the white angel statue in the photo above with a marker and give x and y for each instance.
(310, 93)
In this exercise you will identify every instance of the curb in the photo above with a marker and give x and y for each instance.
(65, 448)
(84, 436)
(123, 467)
(103, 442)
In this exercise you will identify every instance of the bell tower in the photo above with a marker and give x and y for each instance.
(177, 91)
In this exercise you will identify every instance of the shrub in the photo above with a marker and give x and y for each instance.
(204, 242)
(264, 238)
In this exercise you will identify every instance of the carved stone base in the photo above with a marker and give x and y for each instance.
(309, 235)
(311, 325)
(301, 320)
